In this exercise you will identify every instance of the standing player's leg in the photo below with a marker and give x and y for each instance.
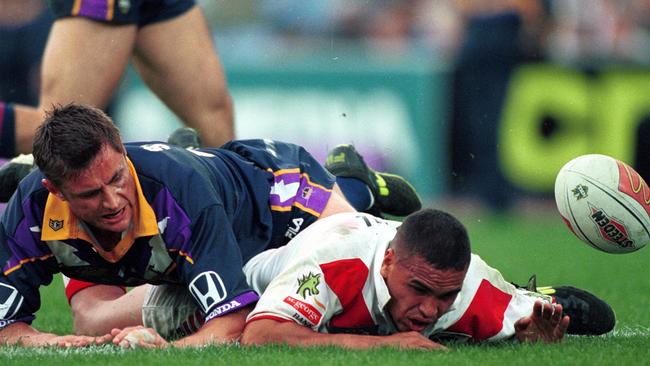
(178, 61)
(83, 61)
(18, 125)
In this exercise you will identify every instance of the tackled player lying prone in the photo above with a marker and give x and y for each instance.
(358, 281)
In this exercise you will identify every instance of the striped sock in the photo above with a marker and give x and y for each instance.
(7, 130)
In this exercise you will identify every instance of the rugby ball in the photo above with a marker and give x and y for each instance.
(604, 202)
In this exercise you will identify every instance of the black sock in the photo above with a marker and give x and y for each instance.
(356, 192)
(7, 130)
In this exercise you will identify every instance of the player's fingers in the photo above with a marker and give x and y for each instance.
(564, 324)
(83, 341)
(438, 346)
(557, 313)
(142, 343)
(64, 344)
(547, 311)
(103, 339)
(119, 338)
(120, 334)
(522, 324)
(115, 332)
(429, 344)
(537, 309)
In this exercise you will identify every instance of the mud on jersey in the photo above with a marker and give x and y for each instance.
(328, 279)
(201, 216)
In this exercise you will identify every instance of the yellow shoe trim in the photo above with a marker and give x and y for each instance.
(548, 290)
(336, 158)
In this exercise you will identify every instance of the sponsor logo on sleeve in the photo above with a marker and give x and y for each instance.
(10, 301)
(293, 230)
(308, 285)
(4, 323)
(306, 192)
(223, 309)
(310, 313)
(208, 289)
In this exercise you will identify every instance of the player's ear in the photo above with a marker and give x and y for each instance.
(52, 188)
(388, 262)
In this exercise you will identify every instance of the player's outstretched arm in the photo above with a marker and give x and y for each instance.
(22, 334)
(267, 331)
(223, 329)
(220, 330)
(547, 324)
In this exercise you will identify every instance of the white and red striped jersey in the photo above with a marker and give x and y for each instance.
(327, 278)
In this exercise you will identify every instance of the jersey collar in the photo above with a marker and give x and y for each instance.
(59, 223)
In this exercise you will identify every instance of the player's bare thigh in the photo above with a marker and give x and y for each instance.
(178, 61)
(84, 60)
(98, 309)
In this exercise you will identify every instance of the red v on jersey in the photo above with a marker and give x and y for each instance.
(484, 316)
(346, 278)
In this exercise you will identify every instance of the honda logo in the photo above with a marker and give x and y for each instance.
(10, 301)
(208, 289)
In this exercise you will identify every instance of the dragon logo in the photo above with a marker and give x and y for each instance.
(308, 284)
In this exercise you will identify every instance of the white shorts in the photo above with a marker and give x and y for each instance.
(171, 311)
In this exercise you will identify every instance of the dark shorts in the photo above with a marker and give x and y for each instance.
(300, 185)
(138, 12)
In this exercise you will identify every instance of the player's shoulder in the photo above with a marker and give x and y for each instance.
(27, 202)
(357, 224)
(161, 167)
(350, 234)
(161, 160)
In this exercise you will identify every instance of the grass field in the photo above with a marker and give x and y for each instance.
(518, 246)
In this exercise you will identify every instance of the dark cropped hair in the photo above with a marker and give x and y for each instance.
(436, 236)
(70, 138)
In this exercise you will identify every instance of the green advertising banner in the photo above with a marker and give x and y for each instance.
(553, 114)
(396, 115)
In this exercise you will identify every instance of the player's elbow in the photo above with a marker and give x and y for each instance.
(255, 333)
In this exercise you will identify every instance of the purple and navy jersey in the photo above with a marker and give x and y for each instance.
(201, 215)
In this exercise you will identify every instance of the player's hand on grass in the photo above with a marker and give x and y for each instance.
(547, 324)
(69, 341)
(138, 337)
(411, 340)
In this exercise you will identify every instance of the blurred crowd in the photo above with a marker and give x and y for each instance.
(560, 30)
